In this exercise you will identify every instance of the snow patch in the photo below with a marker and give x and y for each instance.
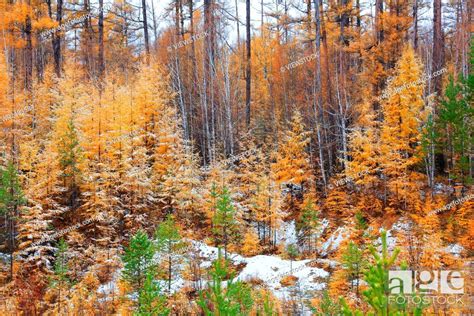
(271, 269)
(286, 233)
(334, 241)
(454, 249)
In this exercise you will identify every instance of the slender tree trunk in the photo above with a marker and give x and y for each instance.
(317, 97)
(145, 32)
(248, 72)
(379, 21)
(438, 46)
(344, 22)
(326, 54)
(358, 15)
(207, 99)
(88, 59)
(415, 24)
(28, 55)
(155, 24)
(237, 24)
(101, 40)
(193, 90)
(169, 266)
(57, 39)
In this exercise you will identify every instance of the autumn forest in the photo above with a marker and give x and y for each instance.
(219, 157)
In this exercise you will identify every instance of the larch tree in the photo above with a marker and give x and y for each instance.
(354, 264)
(151, 301)
(36, 224)
(292, 167)
(452, 130)
(235, 298)
(268, 208)
(250, 243)
(11, 202)
(401, 127)
(168, 242)
(138, 260)
(307, 225)
(225, 226)
(250, 168)
(60, 280)
(364, 148)
(69, 159)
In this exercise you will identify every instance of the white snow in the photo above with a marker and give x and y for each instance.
(286, 233)
(454, 249)
(334, 241)
(269, 269)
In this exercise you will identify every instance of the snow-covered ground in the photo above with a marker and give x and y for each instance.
(271, 269)
(268, 270)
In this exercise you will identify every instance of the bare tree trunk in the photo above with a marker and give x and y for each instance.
(379, 21)
(237, 24)
(326, 54)
(438, 46)
(28, 55)
(101, 40)
(342, 122)
(344, 22)
(415, 24)
(57, 39)
(155, 24)
(193, 91)
(228, 109)
(208, 100)
(145, 32)
(317, 97)
(88, 59)
(248, 72)
(358, 15)
(177, 17)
